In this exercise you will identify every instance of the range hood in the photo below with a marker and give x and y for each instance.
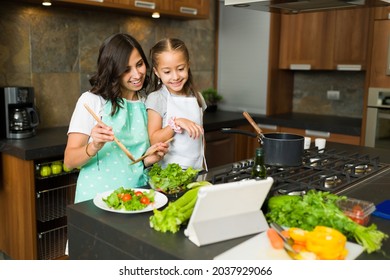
(297, 6)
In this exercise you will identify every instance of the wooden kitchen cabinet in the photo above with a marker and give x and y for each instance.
(184, 9)
(382, 13)
(331, 137)
(33, 209)
(219, 148)
(380, 55)
(304, 40)
(199, 8)
(351, 37)
(332, 40)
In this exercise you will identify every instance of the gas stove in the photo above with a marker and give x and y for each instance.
(324, 170)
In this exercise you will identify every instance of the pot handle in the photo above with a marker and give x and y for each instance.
(238, 131)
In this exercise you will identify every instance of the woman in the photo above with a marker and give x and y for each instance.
(117, 97)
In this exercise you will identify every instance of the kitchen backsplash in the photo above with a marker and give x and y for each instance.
(55, 50)
(310, 93)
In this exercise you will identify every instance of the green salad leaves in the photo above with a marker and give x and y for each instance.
(129, 199)
(320, 208)
(171, 179)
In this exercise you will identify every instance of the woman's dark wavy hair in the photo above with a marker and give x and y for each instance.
(112, 62)
(165, 45)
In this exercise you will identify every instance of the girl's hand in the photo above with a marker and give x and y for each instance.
(193, 129)
(162, 149)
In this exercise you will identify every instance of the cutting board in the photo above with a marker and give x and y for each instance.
(259, 248)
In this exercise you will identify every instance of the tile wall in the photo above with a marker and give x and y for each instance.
(55, 49)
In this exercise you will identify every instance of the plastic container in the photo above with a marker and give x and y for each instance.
(358, 210)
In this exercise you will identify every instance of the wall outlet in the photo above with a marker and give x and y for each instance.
(333, 94)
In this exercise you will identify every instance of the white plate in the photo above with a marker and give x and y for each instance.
(159, 201)
(259, 248)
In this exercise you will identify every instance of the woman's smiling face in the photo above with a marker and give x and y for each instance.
(172, 69)
(133, 78)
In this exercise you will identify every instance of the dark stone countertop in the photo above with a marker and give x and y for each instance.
(51, 142)
(98, 234)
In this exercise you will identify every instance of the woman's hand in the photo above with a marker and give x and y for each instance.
(162, 149)
(100, 135)
(193, 129)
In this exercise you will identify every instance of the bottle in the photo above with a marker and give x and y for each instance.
(259, 170)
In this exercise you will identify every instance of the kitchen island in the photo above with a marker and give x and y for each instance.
(18, 235)
(97, 234)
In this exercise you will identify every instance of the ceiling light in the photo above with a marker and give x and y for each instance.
(46, 3)
(156, 15)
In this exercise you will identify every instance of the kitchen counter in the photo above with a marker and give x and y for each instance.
(97, 234)
(51, 142)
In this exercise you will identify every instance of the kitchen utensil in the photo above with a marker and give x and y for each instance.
(254, 124)
(150, 152)
(123, 148)
(287, 241)
(280, 149)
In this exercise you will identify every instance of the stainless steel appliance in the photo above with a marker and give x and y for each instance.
(19, 116)
(296, 6)
(330, 170)
(378, 118)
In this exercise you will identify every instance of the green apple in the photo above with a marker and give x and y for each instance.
(56, 168)
(66, 169)
(45, 171)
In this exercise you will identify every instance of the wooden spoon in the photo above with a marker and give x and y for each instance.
(123, 148)
(254, 124)
(150, 152)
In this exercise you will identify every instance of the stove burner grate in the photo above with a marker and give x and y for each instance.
(329, 170)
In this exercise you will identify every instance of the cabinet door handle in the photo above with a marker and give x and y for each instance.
(317, 133)
(300, 66)
(349, 67)
(144, 4)
(187, 10)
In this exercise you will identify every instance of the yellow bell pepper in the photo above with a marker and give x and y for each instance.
(327, 243)
(298, 235)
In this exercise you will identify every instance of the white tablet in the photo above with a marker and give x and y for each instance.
(227, 211)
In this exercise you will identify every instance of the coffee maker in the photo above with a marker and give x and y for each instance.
(19, 117)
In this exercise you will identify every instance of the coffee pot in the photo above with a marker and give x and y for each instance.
(22, 119)
(19, 115)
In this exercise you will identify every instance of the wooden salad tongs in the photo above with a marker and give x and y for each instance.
(123, 148)
(150, 152)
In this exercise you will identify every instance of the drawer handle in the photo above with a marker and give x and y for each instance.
(268, 126)
(187, 10)
(144, 4)
(317, 133)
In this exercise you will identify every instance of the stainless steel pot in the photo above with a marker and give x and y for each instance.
(280, 149)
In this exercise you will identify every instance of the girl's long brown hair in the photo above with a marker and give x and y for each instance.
(166, 45)
(112, 62)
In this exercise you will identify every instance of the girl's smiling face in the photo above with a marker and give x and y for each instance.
(133, 78)
(172, 69)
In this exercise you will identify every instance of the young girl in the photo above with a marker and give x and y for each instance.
(175, 108)
(117, 98)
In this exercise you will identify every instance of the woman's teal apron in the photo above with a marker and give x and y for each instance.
(111, 168)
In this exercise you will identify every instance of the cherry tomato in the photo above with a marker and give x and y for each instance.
(138, 193)
(126, 197)
(145, 200)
